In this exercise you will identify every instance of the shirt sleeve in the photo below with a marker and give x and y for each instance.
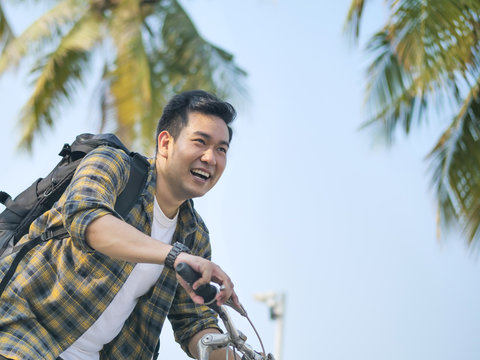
(95, 186)
(186, 317)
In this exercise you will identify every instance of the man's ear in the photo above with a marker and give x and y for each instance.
(165, 140)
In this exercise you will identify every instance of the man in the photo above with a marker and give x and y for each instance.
(104, 292)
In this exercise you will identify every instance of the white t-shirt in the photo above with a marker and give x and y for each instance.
(139, 282)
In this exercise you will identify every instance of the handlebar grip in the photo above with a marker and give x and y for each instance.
(207, 291)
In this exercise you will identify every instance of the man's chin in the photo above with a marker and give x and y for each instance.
(196, 193)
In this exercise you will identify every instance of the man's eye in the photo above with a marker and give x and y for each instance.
(222, 149)
(201, 141)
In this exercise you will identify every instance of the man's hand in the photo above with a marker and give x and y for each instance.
(209, 271)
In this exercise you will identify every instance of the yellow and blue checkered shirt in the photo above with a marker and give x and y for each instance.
(62, 286)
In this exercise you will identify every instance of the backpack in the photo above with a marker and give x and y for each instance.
(39, 197)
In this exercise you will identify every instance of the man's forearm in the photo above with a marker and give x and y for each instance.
(115, 238)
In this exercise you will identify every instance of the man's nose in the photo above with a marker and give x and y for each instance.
(209, 157)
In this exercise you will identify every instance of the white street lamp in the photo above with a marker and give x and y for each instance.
(276, 303)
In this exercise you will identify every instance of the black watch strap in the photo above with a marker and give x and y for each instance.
(172, 255)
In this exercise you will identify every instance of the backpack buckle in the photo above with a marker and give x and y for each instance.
(4, 198)
(47, 235)
(65, 150)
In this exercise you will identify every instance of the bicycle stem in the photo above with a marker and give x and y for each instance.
(233, 336)
(227, 320)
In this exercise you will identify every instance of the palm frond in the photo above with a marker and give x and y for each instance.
(180, 59)
(393, 97)
(455, 161)
(193, 62)
(6, 33)
(418, 62)
(151, 50)
(432, 38)
(351, 26)
(29, 2)
(426, 61)
(104, 100)
(34, 39)
(57, 76)
(130, 83)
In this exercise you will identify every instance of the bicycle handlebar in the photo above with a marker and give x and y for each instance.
(206, 291)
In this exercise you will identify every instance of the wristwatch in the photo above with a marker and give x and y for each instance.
(172, 255)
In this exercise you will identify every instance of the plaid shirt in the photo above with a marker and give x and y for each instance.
(62, 286)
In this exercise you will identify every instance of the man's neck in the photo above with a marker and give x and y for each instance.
(168, 206)
(165, 199)
(169, 212)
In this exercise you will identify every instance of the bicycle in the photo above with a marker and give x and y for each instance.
(233, 337)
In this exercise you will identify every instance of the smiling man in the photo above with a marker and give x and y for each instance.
(191, 162)
(105, 291)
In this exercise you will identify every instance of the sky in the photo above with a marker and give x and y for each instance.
(309, 205)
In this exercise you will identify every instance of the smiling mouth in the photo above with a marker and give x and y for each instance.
(200, 174)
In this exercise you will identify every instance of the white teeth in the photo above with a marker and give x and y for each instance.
(201, 173)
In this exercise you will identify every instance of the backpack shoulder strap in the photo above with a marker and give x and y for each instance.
(139, 167)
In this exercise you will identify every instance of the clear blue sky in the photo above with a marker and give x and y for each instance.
(307, 204)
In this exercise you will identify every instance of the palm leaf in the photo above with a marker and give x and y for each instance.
(181, 59)
(433, 38)
(130, 81)
(352, 22)
(41, 32)
(6, 33)
(57, 77)
(416, 62)
(455, 161)
(393, 97)
(426, 63)
(144, 64)
(193, 62)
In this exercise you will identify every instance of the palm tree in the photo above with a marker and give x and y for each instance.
(426, 64)
(148, 50)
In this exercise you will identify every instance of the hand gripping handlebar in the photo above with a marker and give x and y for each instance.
(206, 291)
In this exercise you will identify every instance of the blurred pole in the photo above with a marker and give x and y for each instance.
(276, 304)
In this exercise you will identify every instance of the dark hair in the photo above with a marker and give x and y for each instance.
(175, 113)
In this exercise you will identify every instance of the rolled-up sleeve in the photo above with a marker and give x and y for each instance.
(186, 317)
(95, 186)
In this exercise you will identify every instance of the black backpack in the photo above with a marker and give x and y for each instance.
(39, 197)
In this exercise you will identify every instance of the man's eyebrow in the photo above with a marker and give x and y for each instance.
(208, 137)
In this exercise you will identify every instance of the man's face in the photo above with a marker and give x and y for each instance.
(197, 157)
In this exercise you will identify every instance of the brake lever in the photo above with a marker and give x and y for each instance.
(240, 309)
